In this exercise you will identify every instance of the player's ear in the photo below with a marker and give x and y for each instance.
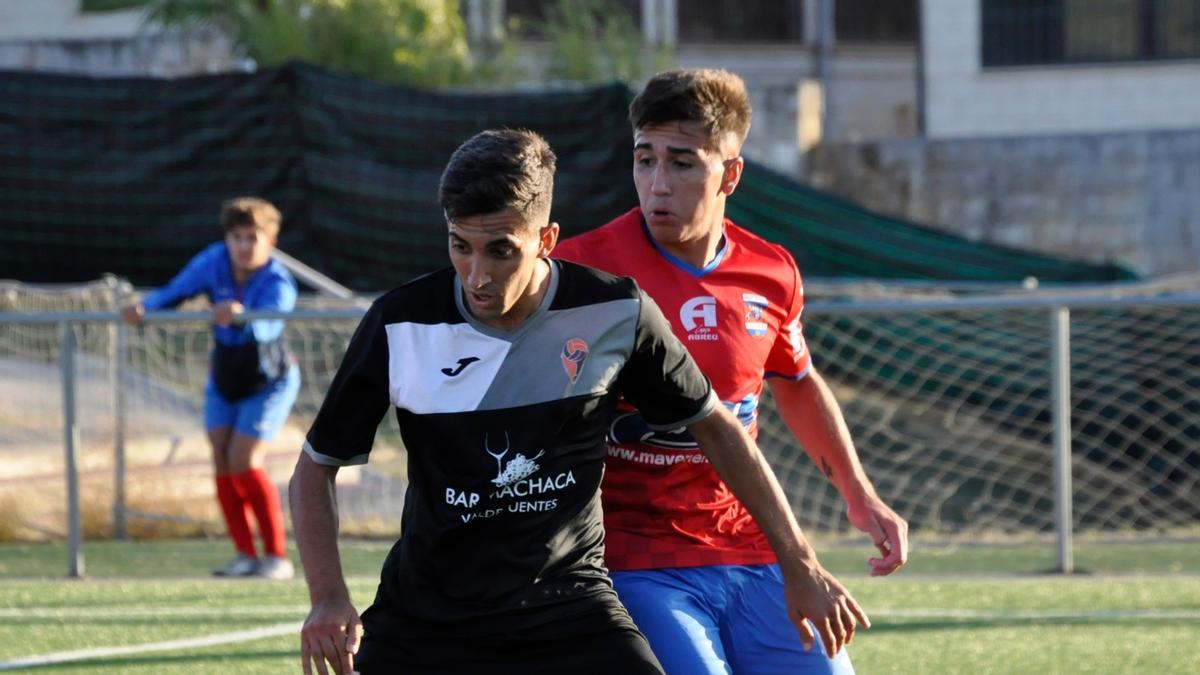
(548, 239)
(732, 175)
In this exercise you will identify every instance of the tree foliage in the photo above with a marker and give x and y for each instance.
(420, 42)
(413, 42)
(591, 41)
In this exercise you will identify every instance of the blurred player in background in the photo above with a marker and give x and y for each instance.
(505, 370)
(253, 380)
(689, 562)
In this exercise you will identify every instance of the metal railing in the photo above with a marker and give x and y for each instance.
(1057, 308)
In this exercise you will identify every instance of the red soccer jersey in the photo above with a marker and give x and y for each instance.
(664, 505)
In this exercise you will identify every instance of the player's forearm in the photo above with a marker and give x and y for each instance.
(738, 461)
(813, 415)
(313, 500)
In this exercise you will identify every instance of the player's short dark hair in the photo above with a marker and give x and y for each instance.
(715, 98)
(497, 169)
(252, 212)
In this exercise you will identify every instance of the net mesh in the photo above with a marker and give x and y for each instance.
(163, 369)
(950, 412)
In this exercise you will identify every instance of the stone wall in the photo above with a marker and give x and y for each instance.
(1132, 197)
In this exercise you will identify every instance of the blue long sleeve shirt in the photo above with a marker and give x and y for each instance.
(247, 356)
(210, 273)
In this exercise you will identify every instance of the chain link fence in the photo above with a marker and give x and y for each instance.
(949, 394)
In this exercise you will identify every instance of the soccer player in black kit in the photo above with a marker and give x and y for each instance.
(504, 370)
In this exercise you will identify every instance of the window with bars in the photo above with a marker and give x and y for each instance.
(1037, 32)
(108, 5)
(874, 21)
(766, 21)
(527, 16)
(741, 21)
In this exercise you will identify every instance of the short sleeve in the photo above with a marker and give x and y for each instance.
(357, 400)
(660, 379)
(789, 357)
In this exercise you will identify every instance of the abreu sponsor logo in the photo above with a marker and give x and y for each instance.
(699, 317)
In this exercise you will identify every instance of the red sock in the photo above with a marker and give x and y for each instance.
(237, 516)
(260, 491)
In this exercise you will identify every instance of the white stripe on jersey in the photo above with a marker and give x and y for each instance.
(441, 368)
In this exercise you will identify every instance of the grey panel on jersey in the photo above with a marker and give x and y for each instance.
(525, 378)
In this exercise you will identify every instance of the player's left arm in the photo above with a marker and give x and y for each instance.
(811, 412)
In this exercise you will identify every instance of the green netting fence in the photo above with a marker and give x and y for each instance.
(126, 175)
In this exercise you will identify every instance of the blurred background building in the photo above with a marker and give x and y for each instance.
(1069, 127)
(1064, 126)
(104, 38)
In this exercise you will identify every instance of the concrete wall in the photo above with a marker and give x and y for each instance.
(54, 36)
(62, 20)
(160, 54)
(963, 100)
(1133, 197)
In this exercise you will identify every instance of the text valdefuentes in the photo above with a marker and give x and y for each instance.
(529, 487)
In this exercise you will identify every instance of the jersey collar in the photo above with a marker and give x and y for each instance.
(722, 249)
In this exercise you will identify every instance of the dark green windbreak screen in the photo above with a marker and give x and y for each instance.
(127, 175)
(833, 237)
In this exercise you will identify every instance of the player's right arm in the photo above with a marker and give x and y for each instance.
(332, 631)
(341, 435)
(192, 280)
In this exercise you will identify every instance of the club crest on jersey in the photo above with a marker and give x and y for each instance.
(755, 306)
(574, 353)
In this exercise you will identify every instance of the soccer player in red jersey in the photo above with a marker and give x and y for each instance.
(688, 561)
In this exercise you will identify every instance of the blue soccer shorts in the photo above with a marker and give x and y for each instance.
(720, 620)
(261, 415)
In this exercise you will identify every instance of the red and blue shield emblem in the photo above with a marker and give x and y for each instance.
(574, 353)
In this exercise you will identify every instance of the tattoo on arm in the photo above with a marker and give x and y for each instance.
(826, 469)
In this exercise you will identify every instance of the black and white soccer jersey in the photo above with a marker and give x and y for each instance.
(505, 437)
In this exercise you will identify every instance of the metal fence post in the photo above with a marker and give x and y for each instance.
(1060, 338)
(118, 370)
(70, 444)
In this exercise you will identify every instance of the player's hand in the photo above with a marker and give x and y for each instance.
(813, 594)
(224, 311)
(887, 530)
(132, 313)
(331, 634)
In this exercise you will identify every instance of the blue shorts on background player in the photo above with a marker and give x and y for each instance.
(254, 378)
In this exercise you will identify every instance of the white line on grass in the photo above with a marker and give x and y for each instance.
(149, 611)
(170, 645)
(1034, 614)
(146, 611)
(284, 629)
